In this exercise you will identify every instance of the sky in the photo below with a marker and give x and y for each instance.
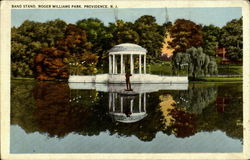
(205, 16)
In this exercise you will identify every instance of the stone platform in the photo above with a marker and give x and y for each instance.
(135, 78)
(120, 88)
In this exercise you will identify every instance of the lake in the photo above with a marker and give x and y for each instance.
(57, 117)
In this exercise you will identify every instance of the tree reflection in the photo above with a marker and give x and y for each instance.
(177, 120)
(52, 108)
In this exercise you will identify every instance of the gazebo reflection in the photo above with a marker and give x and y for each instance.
(127, 107)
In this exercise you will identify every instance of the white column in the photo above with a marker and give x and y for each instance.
(110, 64)
(144, 98)
(140, 102)
(121, 99)
(140, 63)
(113, 66)
(110, 101)
(145, 64)
(131, 64)
(113, 101)
(122, 64)
(131, 105)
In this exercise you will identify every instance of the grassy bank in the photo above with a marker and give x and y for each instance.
(230, 69)
(163, 68)
(22, 78)
(219, 79)
(33, 79)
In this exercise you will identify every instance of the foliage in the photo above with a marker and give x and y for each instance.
(185, 34)
(151, 36)
(160, 68)
(211, 37)
(144, 31)
(89, 41)
(229, 115)
(197, 97)
(78, 49)
(232, 39)
(100, 37)
(52, 62)
(49, 64)
(23, 105)
(194, 62)
(28, 39)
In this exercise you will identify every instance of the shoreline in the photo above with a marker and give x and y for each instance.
(208, 79)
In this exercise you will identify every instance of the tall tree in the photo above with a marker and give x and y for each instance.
(79, 51)
(211, 37)
(28, 39)
(195, 62)
(52, 62)
(124, 33)
(185, 34)
(232, 39)
(99, 36)
(151, 35)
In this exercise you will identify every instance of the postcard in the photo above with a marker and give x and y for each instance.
(125, 79)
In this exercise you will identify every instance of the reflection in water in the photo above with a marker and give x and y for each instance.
(52, 108)
(123, 107)
(182, 123)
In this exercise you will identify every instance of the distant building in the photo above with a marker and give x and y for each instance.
(221, 52)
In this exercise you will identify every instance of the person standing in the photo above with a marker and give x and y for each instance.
(128, 84)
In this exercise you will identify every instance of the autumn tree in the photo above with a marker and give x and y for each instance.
(79, 56)
(185, 34)
(72, 54)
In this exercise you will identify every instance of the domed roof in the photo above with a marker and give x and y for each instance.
(128, 47)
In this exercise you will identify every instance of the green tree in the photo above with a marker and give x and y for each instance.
(124, 33)
(185, 34)
(232, 39)
(194, 62)
(211, 37)
(100, 37)
(28, 39)
(151, 36)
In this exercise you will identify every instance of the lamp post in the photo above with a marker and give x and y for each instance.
(69, 68)
(77, 69)
(178, 68)
(82, 62)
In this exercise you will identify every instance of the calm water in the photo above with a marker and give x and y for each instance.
(54, 117)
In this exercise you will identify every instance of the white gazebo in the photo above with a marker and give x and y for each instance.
(130, 51)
